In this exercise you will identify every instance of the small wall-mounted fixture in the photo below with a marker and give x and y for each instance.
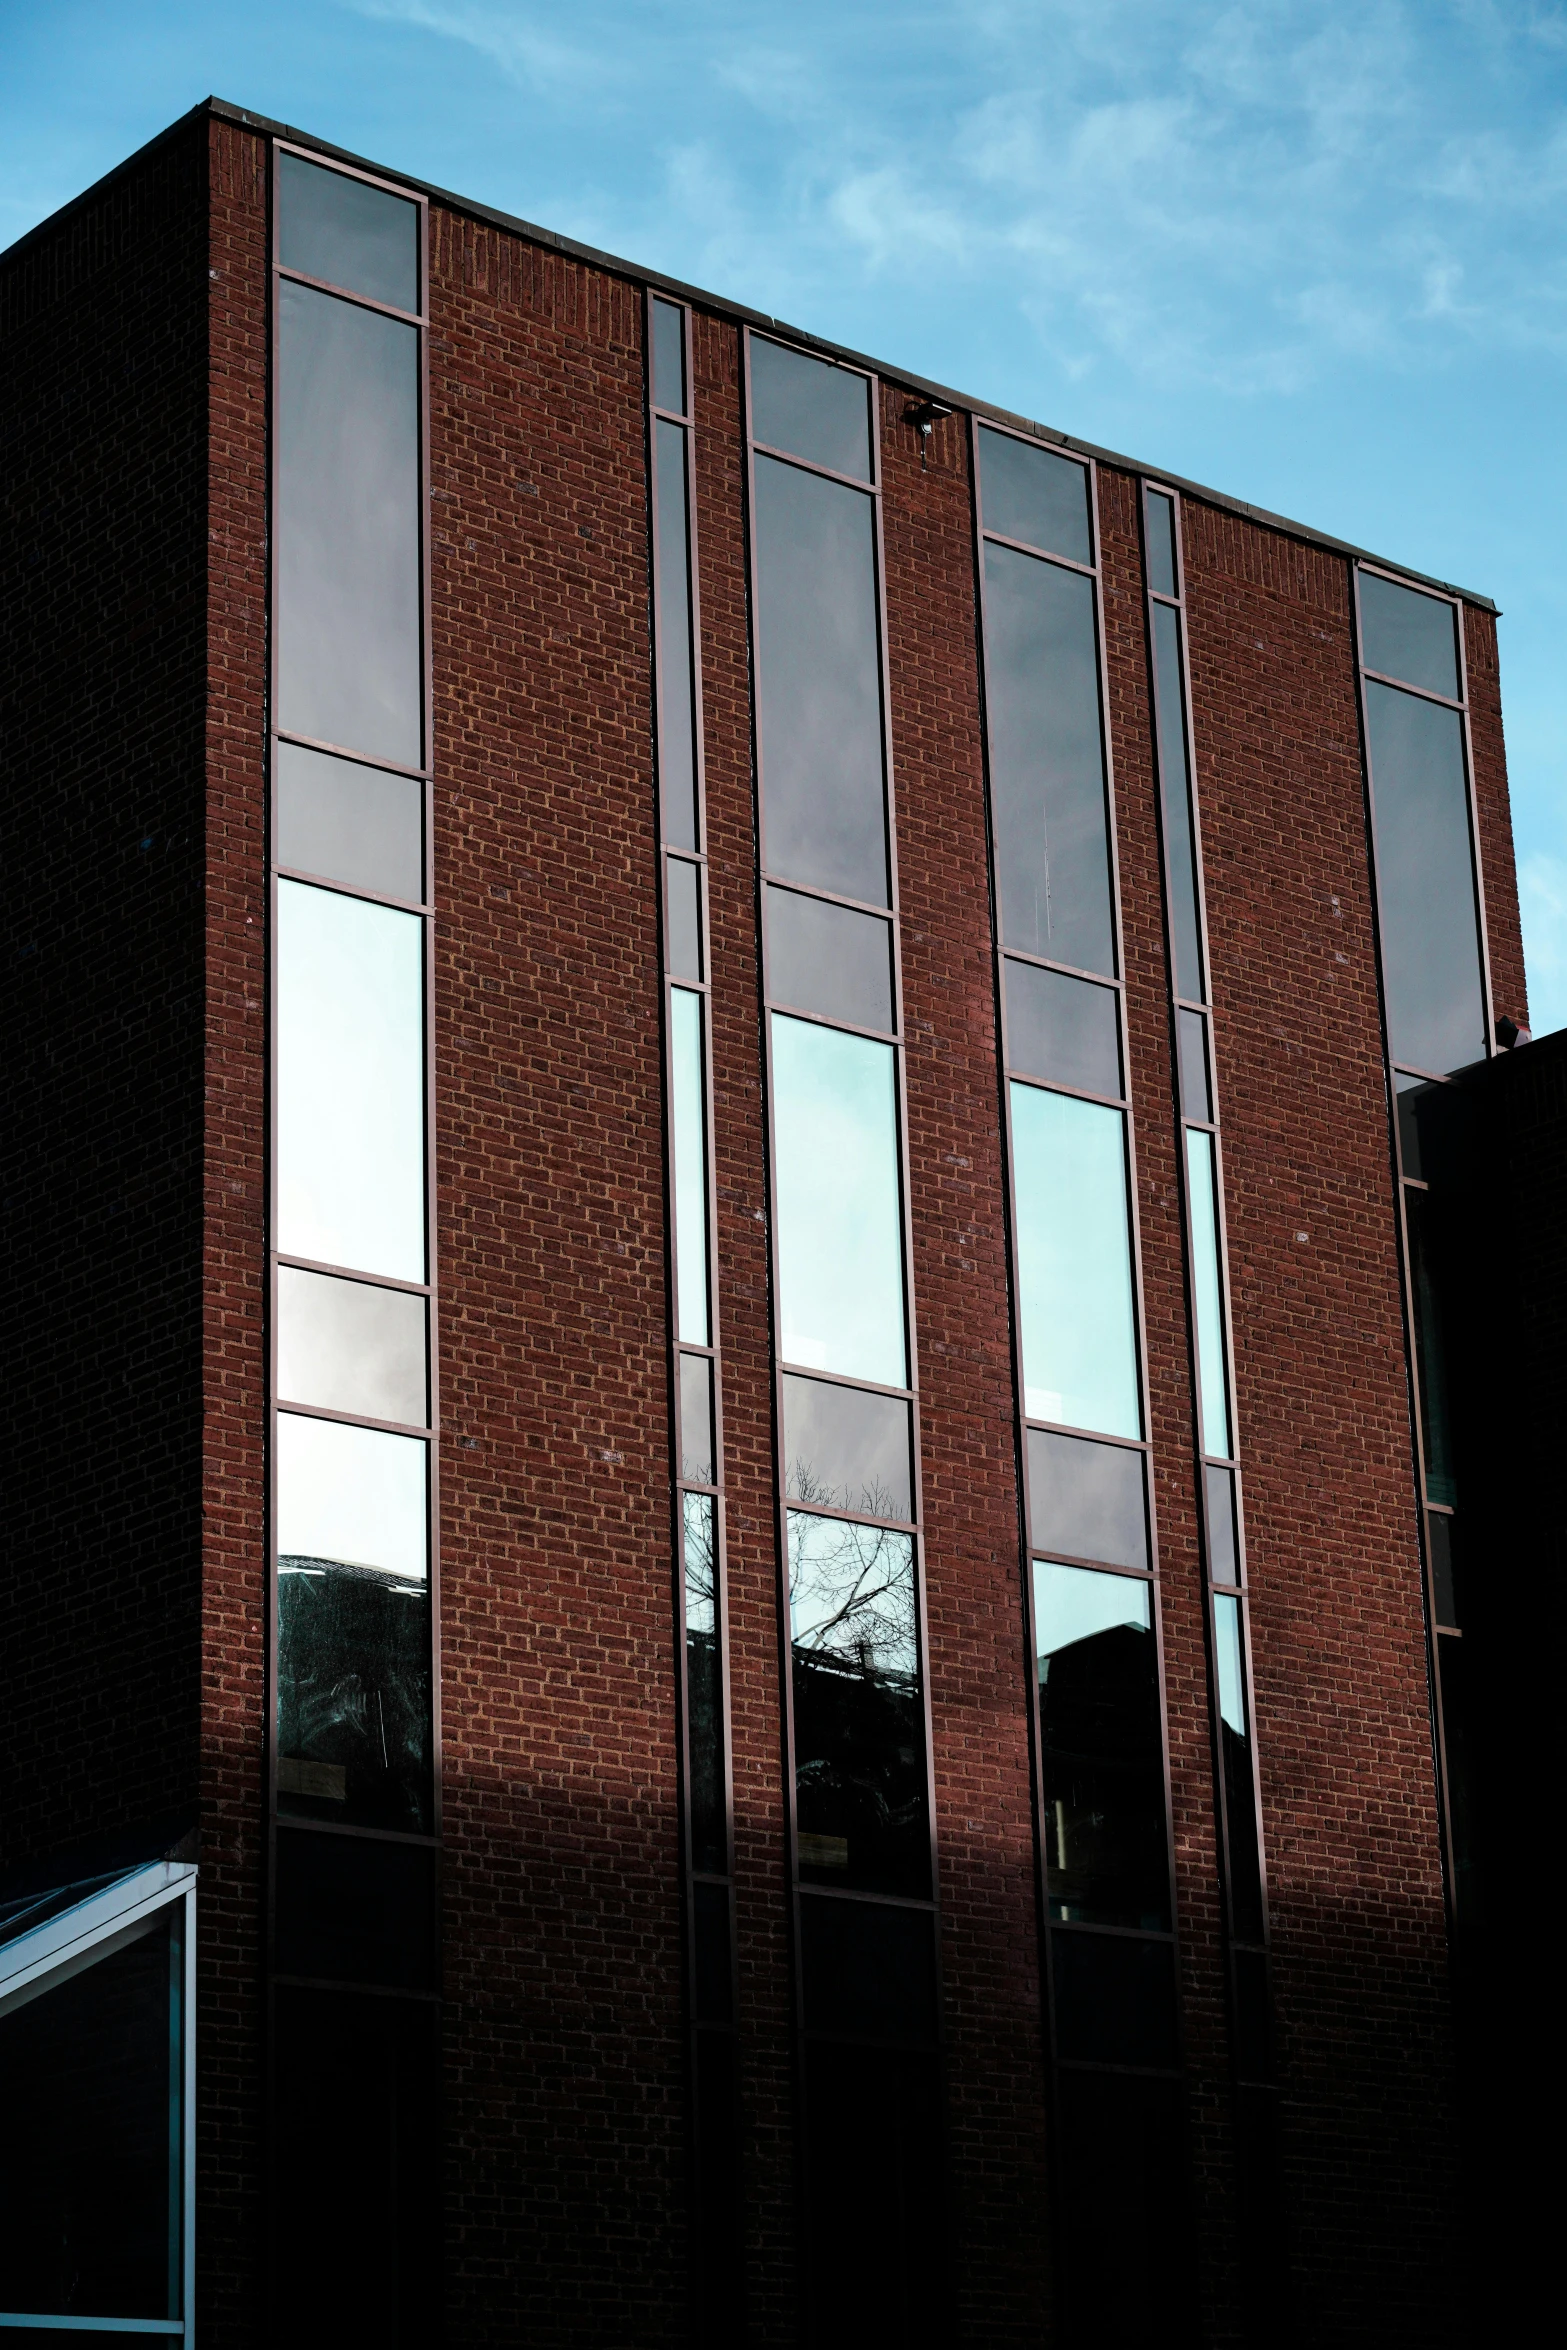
(926, 415)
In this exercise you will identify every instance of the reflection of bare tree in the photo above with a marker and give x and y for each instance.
(805, 1483)
(704, 1698)
(851, 1596)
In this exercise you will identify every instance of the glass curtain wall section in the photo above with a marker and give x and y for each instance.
(1218, 1465)
(354, 1779)
(846, 1392)
(1091, 1601)
(701, 1612)
(1438, 1014)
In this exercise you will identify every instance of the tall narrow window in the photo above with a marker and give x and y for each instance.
(1436, 1001)
(1217, 1467)
(847, 1401)
(1093, 1603)
(696, 1355)
(354, 1776)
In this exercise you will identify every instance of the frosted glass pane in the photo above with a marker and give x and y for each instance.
(352, 1496)
(1074, 1263)
(347, 1346)
(350, 1082)
(840, 1227)
(690, 1125)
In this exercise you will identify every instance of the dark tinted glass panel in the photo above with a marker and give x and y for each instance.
(355, 1909)
(810, 408)
(847, 1449)
(859, 1735)
(1224, 1552)
(1086, 1499)
(870, 1970)
(349, 661)
(1101, 1755)
(876, 2222)
(676, 684)
(1114, 1999)
(1064, 1031)
(350, 234)
(685, 918)
(1442, 1533)
(348, 1347)
(1047, 776)
(1192, 1033)
(1253, 2037)
(1426, 1275)
(1425, 882)
(828, 959)
(353, 1695)
(704, 1685)
(714, 1990)
(1408, 635)
(1176, 802)
(1031, 494)
(669, 358)
(696, 1420)
(819, 665)
(88, 2176)
(355, 2089)
(1458, 1750)
(1124, 2236)
(1161, 543)
(1435, 1130)
(1239, 1769)
(349, 823)
(719, 2277)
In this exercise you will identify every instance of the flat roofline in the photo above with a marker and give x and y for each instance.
(741, 312)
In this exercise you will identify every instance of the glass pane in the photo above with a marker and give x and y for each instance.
(347, 1347)
(1047, 777)
(1101, 1752)
(1431, 1346)
(869, 1970)
(812, 409)
(685, 918)
(1114, 2002)
(350, 1082)
(859, 1737)
(350, 234)
(1192, 1034)
(352, 1497)
(1408, 635)
(669, 358)
(1033, 495)
(89, 2166)
(1176, 802)
(828, 959)
(875, 2209)
(356, 1910)
(1061, 1030)
(1208, 1295)
(1086, 1500)
(1436, 1131)
(353, 1696)
(1442, 1534)
(1232, 1677)
(1240, 1798)
(714, 1969)
(1458, 1753)
(690, 1149)
(1425, 882)
(819, 683)
(1160, 512)
(1074, 1262)
(348, 495)
(840, 1224)
(847, 1449)
(1123, 2139)
(697, 1459)
(704, 1684)
(349, 823)
(1224, 1548)
(676, 687)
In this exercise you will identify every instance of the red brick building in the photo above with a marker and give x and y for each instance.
(734, 1606)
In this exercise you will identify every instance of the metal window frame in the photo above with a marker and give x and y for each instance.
(69, 1943)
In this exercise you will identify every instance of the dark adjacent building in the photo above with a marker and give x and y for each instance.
(768, 1183)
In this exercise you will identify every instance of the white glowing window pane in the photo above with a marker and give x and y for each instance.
(355, 1497)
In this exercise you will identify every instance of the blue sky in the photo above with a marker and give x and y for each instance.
(1312, 251)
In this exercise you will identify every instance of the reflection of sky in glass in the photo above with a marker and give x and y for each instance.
(1073, 1603)
(1074, 1263)
(354, 1495)
(1232, 1681)
(701, 1581)
(851, 1594)
(350, 1084)
(1425, 882)
(1206, 1293)
(685, 1025)
(840, 1236)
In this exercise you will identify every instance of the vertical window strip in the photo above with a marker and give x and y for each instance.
(1092, 1585)
(1438, 1016)
(696, 1366)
